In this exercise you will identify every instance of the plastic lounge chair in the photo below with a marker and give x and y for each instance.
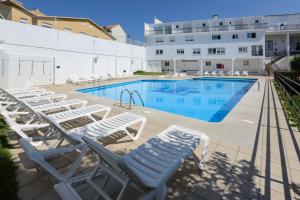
(51, 97)
(32, 94)
(149, 167)
(85, 78)
(80, 112)
(75, 79)
(221, 73)
(214, 73)
(229, 73)
(96, 77)
(40, 157)
(24, 90)
(237, 73)
(100, 129)
(57, 105)
(18, 128)
(206, 73)
(245, 73)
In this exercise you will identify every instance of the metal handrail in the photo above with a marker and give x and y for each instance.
(135, 91)
(131, 99)
(288, 83)
(289, 91)
(121, 97)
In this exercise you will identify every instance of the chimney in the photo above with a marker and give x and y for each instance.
(215, 17)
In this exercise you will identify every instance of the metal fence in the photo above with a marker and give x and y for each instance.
(291, 90)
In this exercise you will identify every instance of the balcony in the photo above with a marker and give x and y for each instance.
(161, 30)
(237, 27)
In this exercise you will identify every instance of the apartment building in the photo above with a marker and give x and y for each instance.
(15, 11)
(230, 44)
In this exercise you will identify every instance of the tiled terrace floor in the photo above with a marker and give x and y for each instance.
(269, 170)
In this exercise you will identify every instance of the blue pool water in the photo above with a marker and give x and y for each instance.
(208, 99)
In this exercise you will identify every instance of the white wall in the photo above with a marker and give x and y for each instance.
(73, 53)
(119, 33)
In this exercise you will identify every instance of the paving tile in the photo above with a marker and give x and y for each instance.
(193, 196)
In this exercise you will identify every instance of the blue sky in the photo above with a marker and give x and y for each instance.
(132, 14)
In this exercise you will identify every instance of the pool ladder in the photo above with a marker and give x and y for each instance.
(131, 99)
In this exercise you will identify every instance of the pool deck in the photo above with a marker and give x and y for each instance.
(253, 152)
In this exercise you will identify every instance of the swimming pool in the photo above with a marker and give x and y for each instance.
(208, 99)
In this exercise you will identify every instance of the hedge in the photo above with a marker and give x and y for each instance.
(8, 169)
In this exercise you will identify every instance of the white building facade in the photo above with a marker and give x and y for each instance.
(231, 44)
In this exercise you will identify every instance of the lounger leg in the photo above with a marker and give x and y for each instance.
(201, 162)
(139, 131)
(106, 113)
(162, 193)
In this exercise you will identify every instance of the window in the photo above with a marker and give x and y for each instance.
(159, 52)
(220, 66)
(196, 51)
(23, 20)
(251, 35)
(257, 50)
(208, 63)
(256, 21)
(46, 25)
(159, 39)
(216, 51)
(167, 64)
(221, 23)
(177, 26)
(216, 37)
(203, 24)
(68, 29)
(220, 51)
(235, 36)
(172, 39)
(189, 38)
(243, 49)
(246, 63)
(180, 51)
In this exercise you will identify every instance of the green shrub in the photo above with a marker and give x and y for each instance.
(8, 176)
(295, 64)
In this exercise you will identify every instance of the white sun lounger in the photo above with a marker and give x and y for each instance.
(40, 157)
(75, 79)
(245, 73)
(229, 73)
(214, 73)
(100, 129)
(237, 73)
(85, 78)
(206, 73)
(51, 97)
(24, 90)
(149, 167)
(57, 105)
(32, 94)
(80, 112)
(18, 128)
(221, 73)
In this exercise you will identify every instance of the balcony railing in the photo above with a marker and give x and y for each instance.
(257, 26)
